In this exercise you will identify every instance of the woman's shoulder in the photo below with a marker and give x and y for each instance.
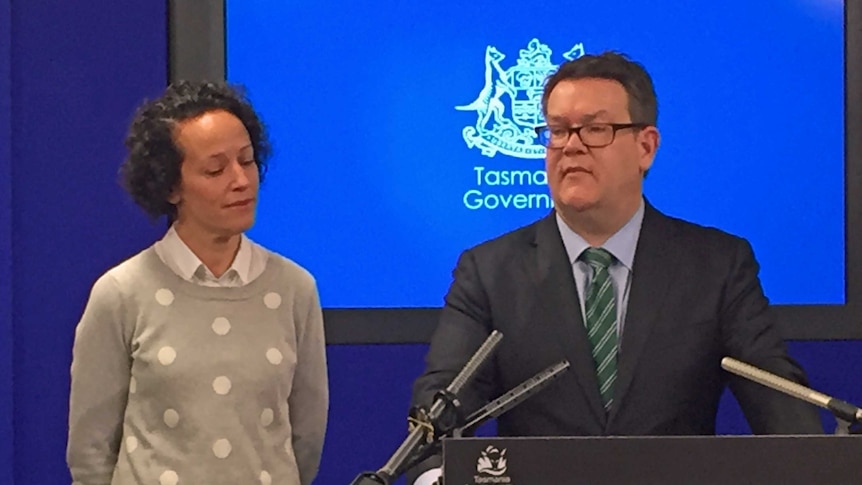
(289, 269)
(128, 275)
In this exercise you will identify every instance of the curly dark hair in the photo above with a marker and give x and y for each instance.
(643, 104)
(151, 170)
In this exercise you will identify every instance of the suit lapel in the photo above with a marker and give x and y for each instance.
(653, 271)
(558, 303)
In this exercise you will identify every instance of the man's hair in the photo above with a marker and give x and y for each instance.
(642, 102)
(151, 170)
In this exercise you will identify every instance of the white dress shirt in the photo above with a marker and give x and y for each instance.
(249, 263)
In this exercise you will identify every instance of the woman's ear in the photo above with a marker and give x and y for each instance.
(174, 197)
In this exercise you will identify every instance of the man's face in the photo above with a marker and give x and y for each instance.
(581, 177)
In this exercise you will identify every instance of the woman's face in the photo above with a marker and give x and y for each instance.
(219, 179)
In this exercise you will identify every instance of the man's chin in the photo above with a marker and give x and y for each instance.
(576, 203)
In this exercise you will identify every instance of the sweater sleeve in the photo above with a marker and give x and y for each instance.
(100, 371)
(309, 399)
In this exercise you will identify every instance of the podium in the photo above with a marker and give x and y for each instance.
(700, 460)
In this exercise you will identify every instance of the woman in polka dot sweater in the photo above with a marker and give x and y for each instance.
(200, 360)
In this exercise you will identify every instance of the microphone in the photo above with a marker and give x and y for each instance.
(512, 398)
(497, 407)
(424, 431)
(842, 410)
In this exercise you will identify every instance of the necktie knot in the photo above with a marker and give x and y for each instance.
(598, 258)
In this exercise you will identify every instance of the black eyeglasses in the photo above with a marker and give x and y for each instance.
(593, 135)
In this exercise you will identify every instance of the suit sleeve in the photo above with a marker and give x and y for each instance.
(465, 323)
(750, 335)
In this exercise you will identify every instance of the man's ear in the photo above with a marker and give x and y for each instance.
(649, 139)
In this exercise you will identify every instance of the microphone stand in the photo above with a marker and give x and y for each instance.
(446, 406)
(846, 414)
(497, 407)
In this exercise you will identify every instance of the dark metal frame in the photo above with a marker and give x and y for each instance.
(197, 51)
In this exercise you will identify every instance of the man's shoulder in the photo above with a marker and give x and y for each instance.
(700, 240)
(692, 231)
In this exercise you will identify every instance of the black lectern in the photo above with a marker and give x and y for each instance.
(785, 460)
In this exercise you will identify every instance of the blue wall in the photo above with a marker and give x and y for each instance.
(76, 74)
(78, 70)
(5, 248)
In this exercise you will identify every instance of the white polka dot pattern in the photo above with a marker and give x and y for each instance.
(221, 448)
(266, 417)
(274, 356)
(239, 340)
(167, 355)
(164, 296)
(221, 385)
(265, 478)
(169, 477)
(272, 300)
(172, 418)
(221, 326)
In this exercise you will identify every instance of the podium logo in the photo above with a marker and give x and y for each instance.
(508, 107)
(492, 466)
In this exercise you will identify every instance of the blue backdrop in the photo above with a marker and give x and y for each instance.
(375, 189)
(77, 70)
(74, 74)
(6, 439)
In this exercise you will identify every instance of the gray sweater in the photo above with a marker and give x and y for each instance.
(179, 384)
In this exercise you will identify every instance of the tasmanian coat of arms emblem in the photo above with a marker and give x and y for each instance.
(492, 461)
(508, 107)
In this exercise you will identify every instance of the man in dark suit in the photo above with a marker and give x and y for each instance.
(642, 305)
